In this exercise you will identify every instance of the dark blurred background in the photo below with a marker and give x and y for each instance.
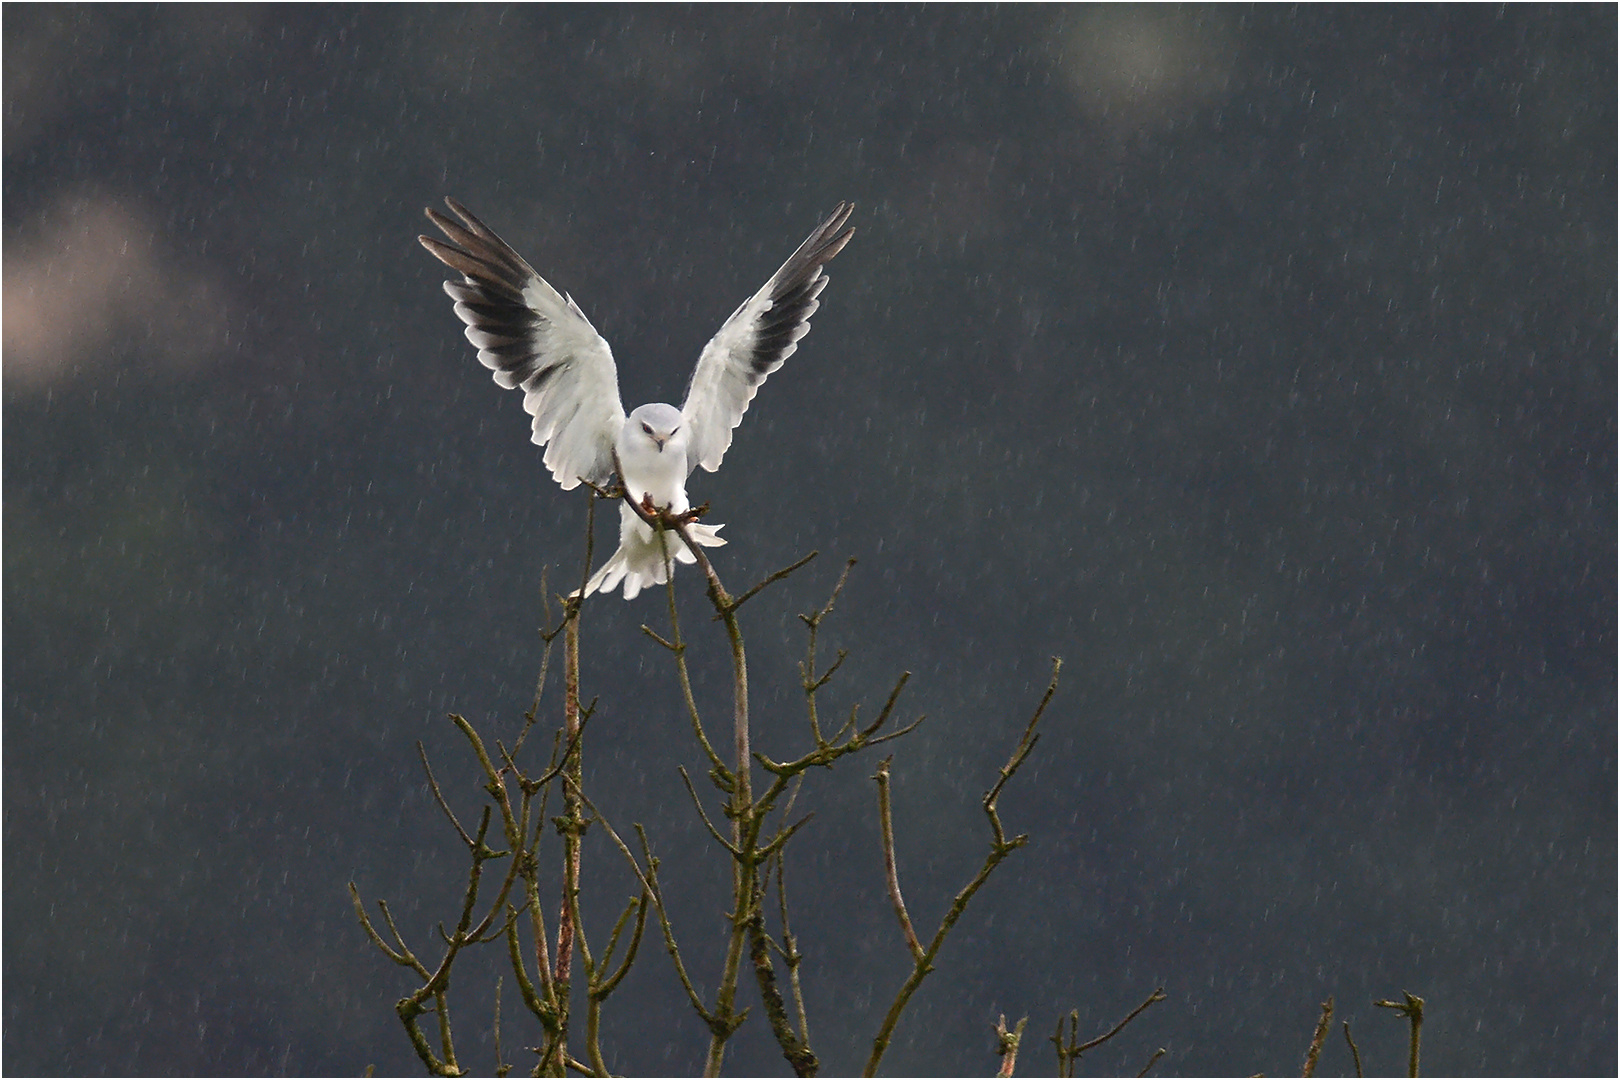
(1260, 363)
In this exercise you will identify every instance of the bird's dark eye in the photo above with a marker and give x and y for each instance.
(647, 428)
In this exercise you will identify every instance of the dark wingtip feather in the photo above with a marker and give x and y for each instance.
(477, 251)
(474, 224)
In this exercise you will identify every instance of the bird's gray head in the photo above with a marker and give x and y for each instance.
(661, 424)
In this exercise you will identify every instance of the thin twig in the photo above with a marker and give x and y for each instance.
(888, 707)
(501, 1069)
(388, 918)
(844, 742)
(1152, 999)
(512, 828)
(514, 948)
(717, 771)
(545, 653)
(771, 580)
(568, 753)
(611, 984)
(590, 543)
(410, 1008)
(822, 679)
(599, 988)
(826, 609)
(402, 957)
(714, 832)
(807, 669)
(790, 946)
(897, 733)
(779, 841)
(438, 796)
(1320, 1036)
(890, 871)
(1354, 1053)
(650, 632)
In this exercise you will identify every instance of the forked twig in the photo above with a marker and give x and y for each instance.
(1069, 1051)
(649, 883)
(1412, 1009)
(1007, 1044)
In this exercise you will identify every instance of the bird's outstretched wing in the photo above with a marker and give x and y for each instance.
(535, 339)
(760, 334)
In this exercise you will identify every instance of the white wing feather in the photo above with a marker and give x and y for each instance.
(534, 339)
(754, 342)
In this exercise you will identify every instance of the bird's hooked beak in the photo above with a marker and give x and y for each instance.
(658, 440)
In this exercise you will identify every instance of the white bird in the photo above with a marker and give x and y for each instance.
(538, 340)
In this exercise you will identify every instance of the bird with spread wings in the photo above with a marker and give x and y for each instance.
(536, 339)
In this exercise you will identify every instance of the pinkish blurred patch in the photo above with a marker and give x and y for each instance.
(89, 289)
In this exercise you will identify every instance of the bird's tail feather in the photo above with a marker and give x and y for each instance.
(639, 562)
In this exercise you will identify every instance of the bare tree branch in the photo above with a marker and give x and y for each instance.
(1000, 848)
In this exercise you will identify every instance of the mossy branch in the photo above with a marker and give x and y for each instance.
(1314, 1051)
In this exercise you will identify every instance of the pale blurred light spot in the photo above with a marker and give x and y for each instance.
(89, 289)
(1137, 65)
